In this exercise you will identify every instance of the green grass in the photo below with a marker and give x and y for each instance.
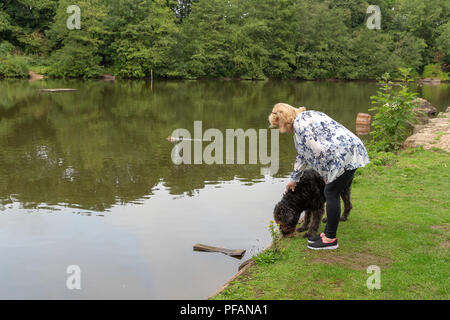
(400, 221)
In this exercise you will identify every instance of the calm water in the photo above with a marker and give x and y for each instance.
(86, 179)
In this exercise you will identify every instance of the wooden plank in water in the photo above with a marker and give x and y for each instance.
(58, 90)
(230, 252)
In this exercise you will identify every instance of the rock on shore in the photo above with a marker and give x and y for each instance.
(424, 110)
(433, 134)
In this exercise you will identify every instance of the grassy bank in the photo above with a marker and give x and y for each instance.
(400, 222)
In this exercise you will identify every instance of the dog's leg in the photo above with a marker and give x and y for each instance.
(316, 215)
(324, 220)
(321, 212)
(346, 198)
(345, 195)
(306, 221)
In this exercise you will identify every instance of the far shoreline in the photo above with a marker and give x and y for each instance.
(33, 75)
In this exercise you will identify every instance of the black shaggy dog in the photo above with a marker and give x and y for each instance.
(309, 197)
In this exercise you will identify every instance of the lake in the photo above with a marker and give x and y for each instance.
(87, 179)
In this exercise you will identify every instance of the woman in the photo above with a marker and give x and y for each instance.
(330, 149)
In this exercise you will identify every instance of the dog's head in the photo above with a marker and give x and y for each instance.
(286, 217)
(283, 116)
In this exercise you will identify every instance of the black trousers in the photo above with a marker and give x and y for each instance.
(332, 195)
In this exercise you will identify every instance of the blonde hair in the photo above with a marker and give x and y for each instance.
(283, 116)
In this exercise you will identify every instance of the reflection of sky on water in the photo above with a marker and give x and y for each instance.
(135, 250)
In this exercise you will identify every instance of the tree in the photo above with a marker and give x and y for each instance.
(26, 21)
(283, 20)
(323, 50)
(373, 52)
(251, 39)
(443, 42)
(423, 19)
(76, 52)
(143, 39)
(206, 40)
(182, 8)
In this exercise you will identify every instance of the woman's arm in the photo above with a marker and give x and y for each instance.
(299, 167)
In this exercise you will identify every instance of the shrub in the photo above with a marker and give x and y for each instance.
(435, 71)
(74, 61)
(13, 66)
(394, 113)
(6, 48)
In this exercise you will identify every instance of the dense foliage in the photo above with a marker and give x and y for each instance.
(251, 39)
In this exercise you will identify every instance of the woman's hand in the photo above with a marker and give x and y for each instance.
(291, 185)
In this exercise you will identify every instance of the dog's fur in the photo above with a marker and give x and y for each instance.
(307, 196)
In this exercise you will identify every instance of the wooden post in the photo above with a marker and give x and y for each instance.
(363, 123)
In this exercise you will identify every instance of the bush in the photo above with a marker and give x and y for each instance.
(6, 48)
(435, 71)
(74, 61)
(394, 113)
(13, 66)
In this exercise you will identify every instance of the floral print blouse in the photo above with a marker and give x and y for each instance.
(326, 146)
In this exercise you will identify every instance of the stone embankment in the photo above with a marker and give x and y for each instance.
(433, 131)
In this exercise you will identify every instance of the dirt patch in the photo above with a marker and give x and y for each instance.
(370, 224)
(259, 293)
(33, 76)
(355, 261)
(445, 244)
(445, 229)
(320, 281)
(414, 288)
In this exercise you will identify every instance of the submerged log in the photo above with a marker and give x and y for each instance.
(233, 253)
(57, 90)
(175, 139)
